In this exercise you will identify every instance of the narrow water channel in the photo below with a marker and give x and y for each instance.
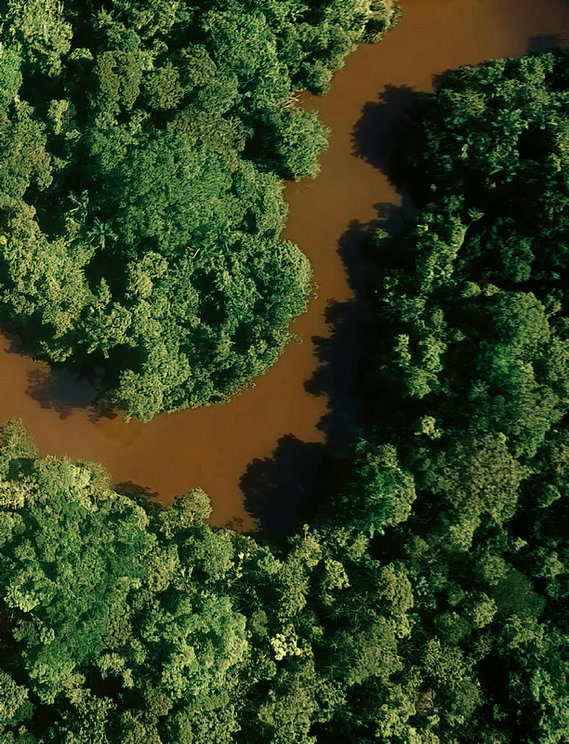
(213, 447)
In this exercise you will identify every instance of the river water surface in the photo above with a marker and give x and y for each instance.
(212, 447)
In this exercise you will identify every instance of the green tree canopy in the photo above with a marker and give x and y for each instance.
(142, 147)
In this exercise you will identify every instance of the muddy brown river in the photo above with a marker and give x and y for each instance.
(213, 447)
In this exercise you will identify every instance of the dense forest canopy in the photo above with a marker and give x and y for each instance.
(142, 147)
(428, 601)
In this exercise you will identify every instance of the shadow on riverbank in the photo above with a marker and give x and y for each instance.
(58, 388)
(282, 490)
(61, 390)
(279, 488)
(377, 138)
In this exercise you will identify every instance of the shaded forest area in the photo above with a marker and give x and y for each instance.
(142, 147)
(427, 602)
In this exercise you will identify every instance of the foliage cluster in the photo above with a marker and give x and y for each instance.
(428, 601)
(142, 147)
(470, 381)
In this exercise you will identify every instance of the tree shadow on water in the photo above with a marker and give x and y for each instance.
(379, 138)
(376, 134)
(279, 488)
(142, 495)
(543, 42)
(282, 490)
(379, 133)
(343, 356)
(61, 390)
(339, 371)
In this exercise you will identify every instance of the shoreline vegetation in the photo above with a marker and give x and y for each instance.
(142, 150)
(426, 602)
